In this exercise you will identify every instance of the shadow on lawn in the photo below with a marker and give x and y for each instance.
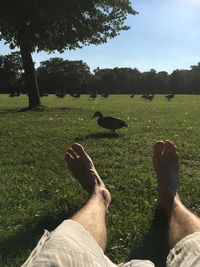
(7, 111)
(17, 110)
(154, 247)
(155, 244)
(99, 135)
(47, 108)
(29, 236)
(37, 109)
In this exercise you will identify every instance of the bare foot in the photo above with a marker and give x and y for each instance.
(83, 169)
(166, 164)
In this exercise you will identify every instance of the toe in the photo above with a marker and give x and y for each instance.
(157, 155)
(79, 150)
(158, 147)
(170, 155)
(72, 153)
(68, 157)
(170, 148)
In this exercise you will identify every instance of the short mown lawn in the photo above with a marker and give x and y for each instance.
(37, 191)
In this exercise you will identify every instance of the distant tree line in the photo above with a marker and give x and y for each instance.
(59, 76)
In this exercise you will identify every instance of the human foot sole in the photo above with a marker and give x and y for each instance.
(166, 165)
(83, 169)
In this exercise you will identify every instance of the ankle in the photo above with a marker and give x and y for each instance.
(173, 204)
(102, 194)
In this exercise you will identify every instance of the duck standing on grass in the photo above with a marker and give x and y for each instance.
(110, 123)
(170, 96)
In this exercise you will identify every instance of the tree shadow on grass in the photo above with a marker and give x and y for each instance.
(155, 244)
(47, 108)
(27, 238)
(37, 109)
(7, 111)
(99, 135)
(16, 110)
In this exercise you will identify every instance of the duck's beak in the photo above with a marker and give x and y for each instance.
(93, 116)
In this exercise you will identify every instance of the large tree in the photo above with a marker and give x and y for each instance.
(34, 25)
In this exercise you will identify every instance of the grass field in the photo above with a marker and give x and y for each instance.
(37, 191)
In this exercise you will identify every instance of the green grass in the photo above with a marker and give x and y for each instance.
(37, 191)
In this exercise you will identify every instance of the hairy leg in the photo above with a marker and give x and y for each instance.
(182, 222)
(93, 215)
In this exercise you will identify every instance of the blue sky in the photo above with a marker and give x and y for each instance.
(164, 36)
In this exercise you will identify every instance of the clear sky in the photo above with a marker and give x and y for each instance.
(164, 36)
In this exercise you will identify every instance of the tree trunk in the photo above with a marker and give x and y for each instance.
(31, 78)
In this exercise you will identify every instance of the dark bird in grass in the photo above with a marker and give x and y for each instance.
(170, 96)
(149, 97)
(93, 95)
(12, 95)
(110, 123)
(43, 94)
(105, 95)
(77, 95)
(144, 96)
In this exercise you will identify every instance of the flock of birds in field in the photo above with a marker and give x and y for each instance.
(146, 96)
(112, 123)
(149, 97)
(92, 95)
(108, 122)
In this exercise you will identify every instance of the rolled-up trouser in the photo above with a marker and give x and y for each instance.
(70, 245)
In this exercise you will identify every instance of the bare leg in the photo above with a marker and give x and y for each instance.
(181, 221)
(92, 216)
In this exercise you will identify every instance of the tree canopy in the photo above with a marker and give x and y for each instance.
(34, 25)
(57, 25)
(58, 75)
